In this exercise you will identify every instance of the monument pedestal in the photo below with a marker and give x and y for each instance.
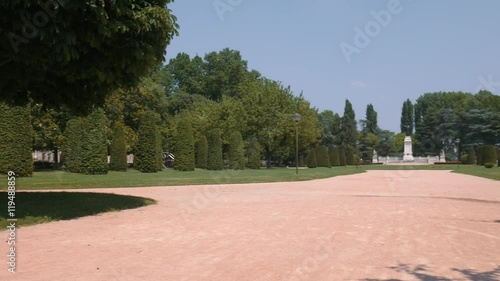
(408, 150)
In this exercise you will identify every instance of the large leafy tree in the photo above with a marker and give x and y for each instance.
(187, 74)
(327, 122)
(224, 71)
(77, 52)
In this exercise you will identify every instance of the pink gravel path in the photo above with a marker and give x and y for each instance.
(380, 225)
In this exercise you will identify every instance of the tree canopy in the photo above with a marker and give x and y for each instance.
(76, 53)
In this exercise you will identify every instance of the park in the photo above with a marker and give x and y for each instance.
(128, 153)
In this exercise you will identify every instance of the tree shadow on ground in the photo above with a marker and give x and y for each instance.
(422, 272)
(39, 207)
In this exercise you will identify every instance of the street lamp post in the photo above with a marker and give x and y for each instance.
(296, 117)
(457, 141)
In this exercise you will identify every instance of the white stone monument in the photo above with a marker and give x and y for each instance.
(408, 152)
(375, 157)
(442, 157)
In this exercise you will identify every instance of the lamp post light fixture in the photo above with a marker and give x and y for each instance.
(297, 117)
(457, 141)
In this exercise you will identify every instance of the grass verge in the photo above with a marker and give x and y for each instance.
(41, 207)
(62, 180)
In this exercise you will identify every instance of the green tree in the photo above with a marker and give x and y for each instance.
(407, 118)
(48, 125)
(224, 71)
(187, 74)
(371, 123)
(311, 159)
(489, 154)
(72, 145)
(334, 157)
(368, 143)
(148, 157)
(342, 157)
(184, 146)
(349, 133)
(326, 121)
(94, 148)
(480, 156)
(201, 152)
(16, 134)
(471, 157)
(118, 148)
(214, 161)
(78, 57)
(236, 152)
(322, 157)
(253, 154)
(349, 157)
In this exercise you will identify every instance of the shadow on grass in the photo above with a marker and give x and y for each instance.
(40, 207)
(421, 272)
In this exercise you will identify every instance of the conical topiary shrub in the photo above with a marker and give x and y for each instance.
(184, 147)
(334, 157)
(342, 158)
(311, 159)
(471, 157)
(214, 161)
(322, 157)
(201, 152)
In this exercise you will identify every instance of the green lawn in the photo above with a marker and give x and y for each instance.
(41, 207)
(133, 178)
(63, 180)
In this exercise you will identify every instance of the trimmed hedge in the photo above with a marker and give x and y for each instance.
(184, 147)
(334, 157)
(148, 157)
(214, 161)
(471, 156)
(85, 147)
(480, 161)
(463, 159)
(254, 155)
(342, 158)
(311, 159)
(16, 134)
(302, 160)
(118, 149)
(72, 146)
(322, 157)
(236, 151)
(349, 156)
(94, 151)
(489, 154)
(201, 153)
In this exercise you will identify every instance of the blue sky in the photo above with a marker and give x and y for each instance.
(426, 46)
